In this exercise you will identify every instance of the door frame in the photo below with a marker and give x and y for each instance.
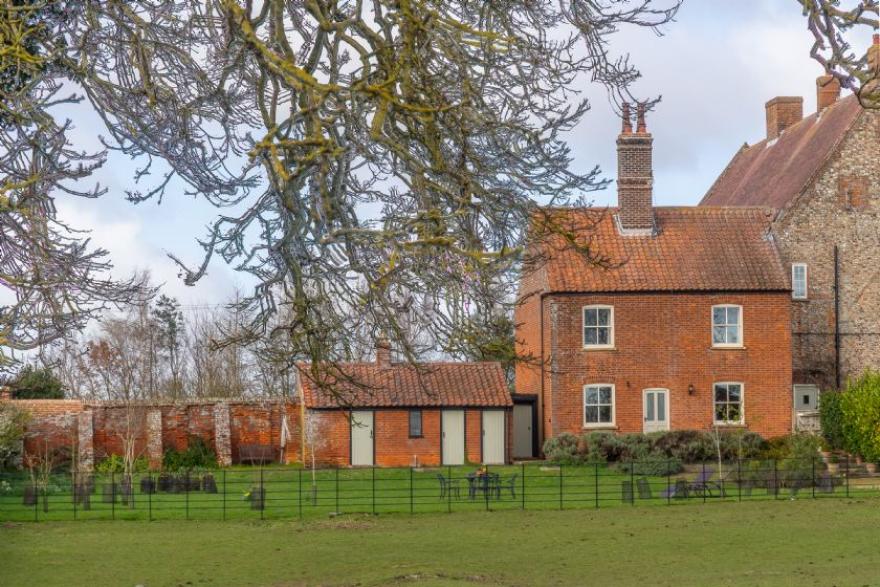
(351, 437)
(464, 432)
(522, 398)
(503, 435)
(668, 408)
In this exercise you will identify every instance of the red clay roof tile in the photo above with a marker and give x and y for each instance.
(695, 248)
(773, 173)
(401, 385)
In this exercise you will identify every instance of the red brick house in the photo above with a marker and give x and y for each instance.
(685, 325)
(395, 414)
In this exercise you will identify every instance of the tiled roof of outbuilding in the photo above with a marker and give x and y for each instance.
(773, 173)
(694, 249)
(402, 385)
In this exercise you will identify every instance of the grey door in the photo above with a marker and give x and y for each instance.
(806, 398)
(523, 435)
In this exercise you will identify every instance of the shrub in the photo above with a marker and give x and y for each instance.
(634, 446)
(740, 444)
(13, 421)
(652, 465)
(116, 464)
(568, 449)
(198, 454)
(860, 416)
(831, 418)
(688, 446)
(32, 383)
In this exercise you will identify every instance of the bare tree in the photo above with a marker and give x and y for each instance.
(833, 24)
(381, 157)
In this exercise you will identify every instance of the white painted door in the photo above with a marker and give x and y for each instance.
(362, 438)
(523, 436)
(493, 437)
(452, 422)
(656, 410)
(806, 398)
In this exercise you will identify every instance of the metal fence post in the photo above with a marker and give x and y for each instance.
(299, 494)
(814, 478)
(374, 489)
(411, 509)
(36, 499)
(632, 481)
(561, 468)
(775, 479)
(739, 480)
(186, 494)
(151, 488)
(596, 482)
(847, 475)
(449, 485)
(224, 495)
(669, 482)
(112, 495)
(523, 483)
(75, 494)
(336, 482)
(262, 494)
(705, 490)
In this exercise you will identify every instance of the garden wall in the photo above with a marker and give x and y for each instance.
(100, 429)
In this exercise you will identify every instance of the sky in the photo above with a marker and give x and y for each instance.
(714, 67)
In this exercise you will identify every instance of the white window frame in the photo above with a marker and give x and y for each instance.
(794, 294)
(727, 345)
(742, 404)
(613, 422)
(610, 327)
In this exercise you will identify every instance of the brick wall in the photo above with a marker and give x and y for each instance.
(393, 446)
(663, 340)
(841, 206)
(782, 112)
(99, 429)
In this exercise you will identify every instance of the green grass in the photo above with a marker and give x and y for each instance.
(797, 543)
(292, 493)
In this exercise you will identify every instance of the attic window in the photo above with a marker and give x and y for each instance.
(852, 191)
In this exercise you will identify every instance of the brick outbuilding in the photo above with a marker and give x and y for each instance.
(394, 414)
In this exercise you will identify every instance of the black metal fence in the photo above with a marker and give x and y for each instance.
(276, 493)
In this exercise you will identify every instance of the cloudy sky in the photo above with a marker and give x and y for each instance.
(715, 68)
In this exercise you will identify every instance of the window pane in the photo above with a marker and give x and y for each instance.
(591, 336)
(605, 395)
(733, 315)
(415, 423)
(604, 317)
(733, 413)
(661, 407)
(604, 336)
(649, 407)
(590, 317)
(733, 335)
(733, 393)
(592, 396)
(718, 316)
(720, 413)
(720, 393)
(718, 335)
(591, 415)
(605, 414)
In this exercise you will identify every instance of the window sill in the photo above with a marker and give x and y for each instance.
(727, 348)
(416, 437)
(600, 427)
(599, 348)
(730, 424)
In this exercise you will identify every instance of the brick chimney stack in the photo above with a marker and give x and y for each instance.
(783, 112)
(383, 352)
(827, 91)
(635, 176)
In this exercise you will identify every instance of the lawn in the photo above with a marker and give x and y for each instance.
(801, 542)
(293, 493)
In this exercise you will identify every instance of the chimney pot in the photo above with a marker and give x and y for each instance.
(626, 116)
(641, 127)
(383, 352)
(782, 113)
(827, 91)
